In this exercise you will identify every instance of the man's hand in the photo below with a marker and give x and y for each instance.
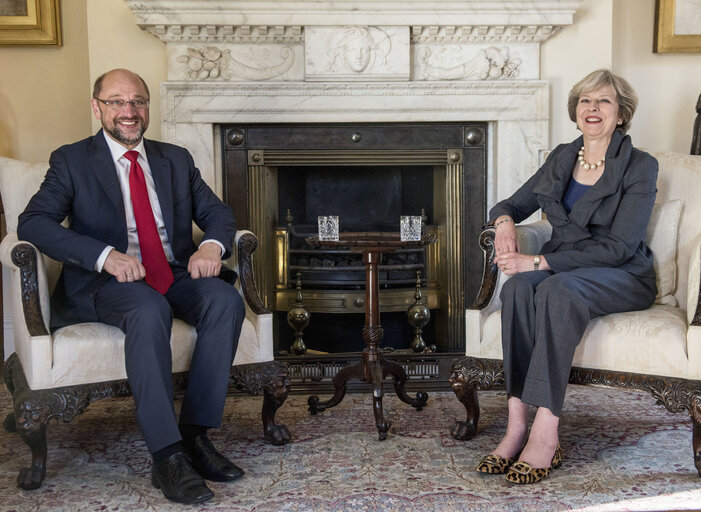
(206, 262)
(124, 267)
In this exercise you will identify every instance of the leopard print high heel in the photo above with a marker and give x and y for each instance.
(522, 472)
(495, 465)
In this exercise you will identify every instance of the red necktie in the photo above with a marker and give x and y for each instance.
(158, 272)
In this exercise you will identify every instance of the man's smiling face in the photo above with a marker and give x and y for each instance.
(126, 125)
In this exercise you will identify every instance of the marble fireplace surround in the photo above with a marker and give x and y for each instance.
(286, 61)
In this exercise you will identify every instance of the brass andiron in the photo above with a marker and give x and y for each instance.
(418, 316)
(298, 318)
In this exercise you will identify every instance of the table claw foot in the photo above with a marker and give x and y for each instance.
(339, 384)
(420, 401)
(277, 435)
(313, 403)
(316, 406)
(9, 423)
(463, 430)
(31, 478)
(381, 423)
(400, 378)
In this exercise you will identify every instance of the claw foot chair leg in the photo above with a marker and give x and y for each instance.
(273, 398)
(33, 410)
(696, 435)
(469, 374)
(32, 477)
(272, 380)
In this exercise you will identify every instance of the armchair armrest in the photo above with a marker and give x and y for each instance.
(246, 244)
(29, 297)
(693, 308)
(259, 347)
(531, 238)
(22, 257)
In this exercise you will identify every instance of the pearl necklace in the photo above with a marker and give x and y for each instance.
(587, 166)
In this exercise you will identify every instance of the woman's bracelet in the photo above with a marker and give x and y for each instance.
(502, 221)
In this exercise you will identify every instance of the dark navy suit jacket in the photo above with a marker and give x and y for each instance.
(607, 225)
(82, 186)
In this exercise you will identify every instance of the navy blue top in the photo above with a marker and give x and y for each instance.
(574, 191)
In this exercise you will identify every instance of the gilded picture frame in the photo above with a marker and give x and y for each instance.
(30, 22)
(677, 26)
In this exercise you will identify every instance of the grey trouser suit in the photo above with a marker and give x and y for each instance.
(599, 264)
(543, 318)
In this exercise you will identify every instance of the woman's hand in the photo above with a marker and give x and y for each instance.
(505, 237)
(511, 263)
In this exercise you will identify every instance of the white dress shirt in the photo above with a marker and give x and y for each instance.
(122, 165)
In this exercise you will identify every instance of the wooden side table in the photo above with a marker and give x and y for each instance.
(373, 368)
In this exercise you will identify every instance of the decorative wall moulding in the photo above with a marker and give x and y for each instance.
(232, 62)
(250, 21)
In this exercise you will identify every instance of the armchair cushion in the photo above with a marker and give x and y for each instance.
(18, 182)
(662, 239)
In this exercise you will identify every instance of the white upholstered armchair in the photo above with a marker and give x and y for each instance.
(657, 350)
(54, 376)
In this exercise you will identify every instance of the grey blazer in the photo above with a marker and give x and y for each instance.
(607, 226)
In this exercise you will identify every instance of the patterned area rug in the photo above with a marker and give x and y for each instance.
(621, 453)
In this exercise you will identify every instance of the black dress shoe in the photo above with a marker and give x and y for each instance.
(178, 481)
(208, 462)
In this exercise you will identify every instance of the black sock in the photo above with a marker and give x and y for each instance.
(192, 431)
(166, 452)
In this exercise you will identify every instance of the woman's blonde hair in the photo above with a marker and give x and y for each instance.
(625, 95)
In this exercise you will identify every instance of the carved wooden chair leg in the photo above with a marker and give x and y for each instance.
(29, 418)
(35, 437)
(466, 392)
(272, 380)
(467, 395)
(695, 413)
(468, 374)
(273, 398)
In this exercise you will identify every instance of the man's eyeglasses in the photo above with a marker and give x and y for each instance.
(121, 104)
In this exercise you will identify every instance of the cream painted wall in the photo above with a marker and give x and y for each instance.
(618, 34)
(44, 91)
(570, 55)
(116, 41)
(43, 99)
(668, 84)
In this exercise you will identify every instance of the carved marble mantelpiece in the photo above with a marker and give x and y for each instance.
(355, 40)
(358, 60)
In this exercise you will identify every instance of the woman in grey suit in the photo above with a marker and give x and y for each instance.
(597, 193)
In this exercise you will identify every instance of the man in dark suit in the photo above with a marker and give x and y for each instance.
(129, 260)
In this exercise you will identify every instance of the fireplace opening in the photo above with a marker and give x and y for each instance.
(366, 199)
(280, 178)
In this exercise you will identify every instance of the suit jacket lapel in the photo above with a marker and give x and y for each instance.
(163, 181)
(552, 187)
(102, 166)
(617, 157)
